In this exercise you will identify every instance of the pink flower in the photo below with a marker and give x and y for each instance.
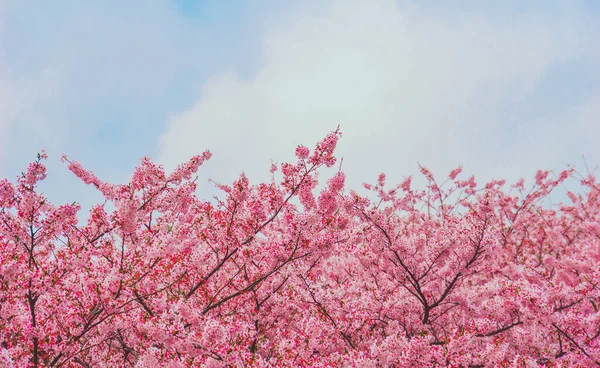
(454, 173)
(302, 152)
(268, 275)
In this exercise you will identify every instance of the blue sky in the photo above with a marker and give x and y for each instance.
(499, 87)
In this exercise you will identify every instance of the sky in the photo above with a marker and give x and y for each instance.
(502, 88)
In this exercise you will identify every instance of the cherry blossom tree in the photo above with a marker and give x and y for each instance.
(282, 274)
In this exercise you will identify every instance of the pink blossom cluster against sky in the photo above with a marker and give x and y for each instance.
(503, 88)
(278, 274)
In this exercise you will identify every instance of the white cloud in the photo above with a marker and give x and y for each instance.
(405, 85)
(26, 106)
(7, 110)
(16, 100)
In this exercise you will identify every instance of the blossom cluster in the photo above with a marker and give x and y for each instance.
(282, 274)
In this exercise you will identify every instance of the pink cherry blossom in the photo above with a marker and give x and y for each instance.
(282, 274)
